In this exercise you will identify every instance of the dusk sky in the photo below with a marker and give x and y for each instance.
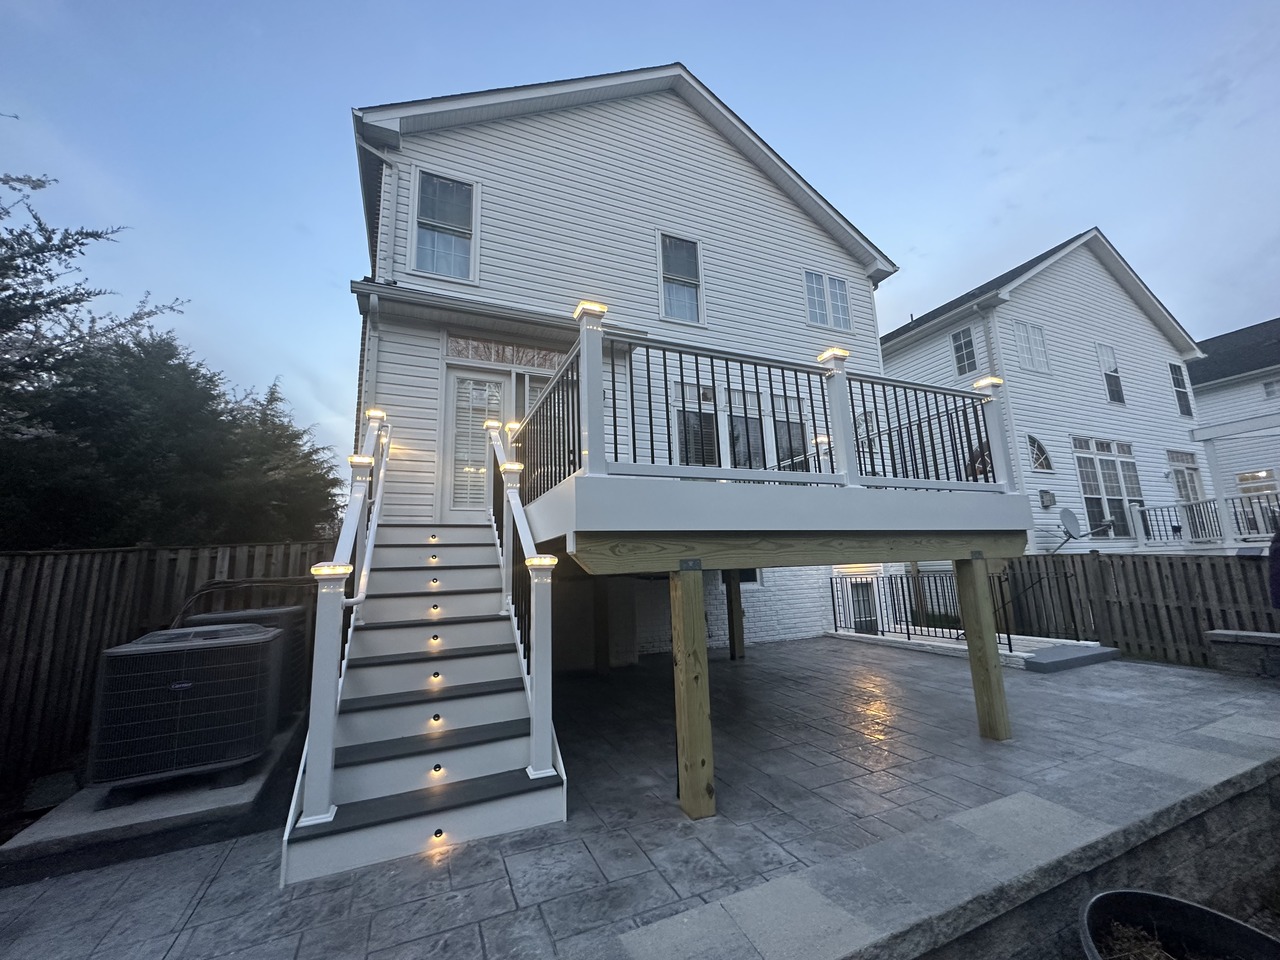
(961, 138)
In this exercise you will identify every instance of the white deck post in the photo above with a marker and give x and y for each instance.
(591, 385)
(844, 442)
(361, 477)
(541, 748)
(1226, 524)
(510, 481)
(1135, 523)
(317, 794)
(993, 415)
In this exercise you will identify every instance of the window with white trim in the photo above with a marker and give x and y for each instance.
(962, 352)
(697, 429)
(1109, 483)
(681, 279)
(828, 301)
(1256, 481)
(446, 217)
(790, 442)
(1180, 392)
(746, 430)
(1186, 475)
(1039, 455)
(1032, 353)
(1110, 373)
(1271, 390)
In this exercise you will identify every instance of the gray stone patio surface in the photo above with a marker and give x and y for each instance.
(855, 803)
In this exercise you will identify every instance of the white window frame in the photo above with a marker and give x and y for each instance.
(412, 265)
(1181, 389)
(827, 281)
(1257, 482)
(966, 345)
(721, 401)
(1033, 351)
(1115, 452)
(1271, 390)
(1184, 470)
(755, 584)
(1107, 355)
(1034, 442)
(662, 278)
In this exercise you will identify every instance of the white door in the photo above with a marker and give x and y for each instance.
(465, 454)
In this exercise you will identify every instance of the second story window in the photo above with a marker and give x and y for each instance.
(1039, 455)
(828, 299)
(962, 349)
(1032, 354)
(680, 279)
(445, 227)
(1110, 373)
(1180, 391)
(1271, 390)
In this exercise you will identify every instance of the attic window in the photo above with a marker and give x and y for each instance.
(962, 349)
(445, 227)
(1110, 373)
(1039, 455)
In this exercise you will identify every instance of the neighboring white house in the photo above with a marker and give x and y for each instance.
(1237, 386)
(1097, 396)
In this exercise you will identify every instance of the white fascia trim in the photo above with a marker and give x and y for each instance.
(973, 310)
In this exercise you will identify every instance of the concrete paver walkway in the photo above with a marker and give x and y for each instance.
(827, 752)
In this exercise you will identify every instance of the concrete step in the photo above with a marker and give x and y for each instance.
(389, 715)
(448, 633)
(386, 828)
(432, 606)
(1066, 656)
(386, 767)
(429, 669)
(433, 555)
(435, 534)
(420, 578)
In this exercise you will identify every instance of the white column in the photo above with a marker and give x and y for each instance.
(362, 479)
(844, 440)
(591, 385)
(511, 482)
(541, 737)
(993, 415)
(317, 802)
(1225, 521)
(1135, 523)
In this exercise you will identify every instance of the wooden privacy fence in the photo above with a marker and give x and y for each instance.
(59, 611)
(1152, 606)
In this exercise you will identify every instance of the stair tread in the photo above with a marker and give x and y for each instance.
(428, 656)
(439, 566)
(425, 801)
(444, 526)
(403, 698)
(396, 747)
(443, 592)
(392, 624)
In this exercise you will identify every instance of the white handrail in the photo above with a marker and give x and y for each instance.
(379, 487)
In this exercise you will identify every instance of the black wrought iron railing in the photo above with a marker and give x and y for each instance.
(548, 440)
(1254, 515)
(521, 597)
(909, 432)
(498, 493)
(912, 606)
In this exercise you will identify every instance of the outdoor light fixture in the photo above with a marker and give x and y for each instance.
(541, 561)
(436, 675)
(435, 579)
(435, 606)
(492, 425)
(435, 718)
(434, 557)
(589, 306)
(358, 460)
(435, 638)
(988, 381)
(433, 538)
(332, 570)
(513, 426)
(438, 834)
(373, 413)
(511, 466)
(830, 352)
(437, 768)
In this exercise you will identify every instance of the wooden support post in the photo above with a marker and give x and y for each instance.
(693, 701)
(977, 611)
(600, 622)
(733, 604)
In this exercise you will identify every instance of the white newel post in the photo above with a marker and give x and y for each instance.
(993, 416)
(1135, 524)
(511, 471)
(1226, 524)
(361, 478)
(317, 803)
(591, 385)
(844, 439)
(541, 749)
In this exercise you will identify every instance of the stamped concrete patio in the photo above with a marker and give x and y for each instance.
(854, 801)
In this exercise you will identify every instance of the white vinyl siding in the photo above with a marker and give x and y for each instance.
(962, 351)
(558, 225)
(1032, 354)
(1235, 400)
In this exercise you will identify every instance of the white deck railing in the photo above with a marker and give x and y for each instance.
(1229, 520)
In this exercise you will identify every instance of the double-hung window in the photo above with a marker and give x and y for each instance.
(1032, 354)
(746, 430)
(697, 430)
(681, 279)
(446, 227)
(1109, 482)
(1180, 391)
(1271, 390)
(828, 301)
(789, 434)
(962, 350)
(1110, 373)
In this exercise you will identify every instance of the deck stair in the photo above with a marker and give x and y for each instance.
(432, 741)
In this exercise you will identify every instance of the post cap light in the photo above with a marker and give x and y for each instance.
(511, 466)
(373, 413)
(542, 561)
(513, 426)
(988, 381)
(831, 352)
(493, 425)
(331, 570)
(360, 460)
(589, 306)
(821, 440)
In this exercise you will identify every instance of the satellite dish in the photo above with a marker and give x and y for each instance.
(1070, 523)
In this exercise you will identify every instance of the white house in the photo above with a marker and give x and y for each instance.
(1098, 400)
(1237, 392)
(679, 334)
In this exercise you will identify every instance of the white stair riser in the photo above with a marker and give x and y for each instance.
(385, 777)
(420, 556)
(480, 533)
(448, 578)
(323, 856)
(374, 643)
(425, 606)
(387, 723)
(398, 677)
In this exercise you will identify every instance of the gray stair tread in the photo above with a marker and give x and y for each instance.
(1065, 657)
(432, 656)
(406, 697)
(422, 525)
(428, 800)
(429, 742)
(445, 621)
(434, 593)
(437, 566)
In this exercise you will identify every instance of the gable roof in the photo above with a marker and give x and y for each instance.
(380, 127)
(997, 289)
(1233, 354)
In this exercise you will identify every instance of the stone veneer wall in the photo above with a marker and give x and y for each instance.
(1225, 858)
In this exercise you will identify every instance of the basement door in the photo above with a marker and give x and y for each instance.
(466, 456)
